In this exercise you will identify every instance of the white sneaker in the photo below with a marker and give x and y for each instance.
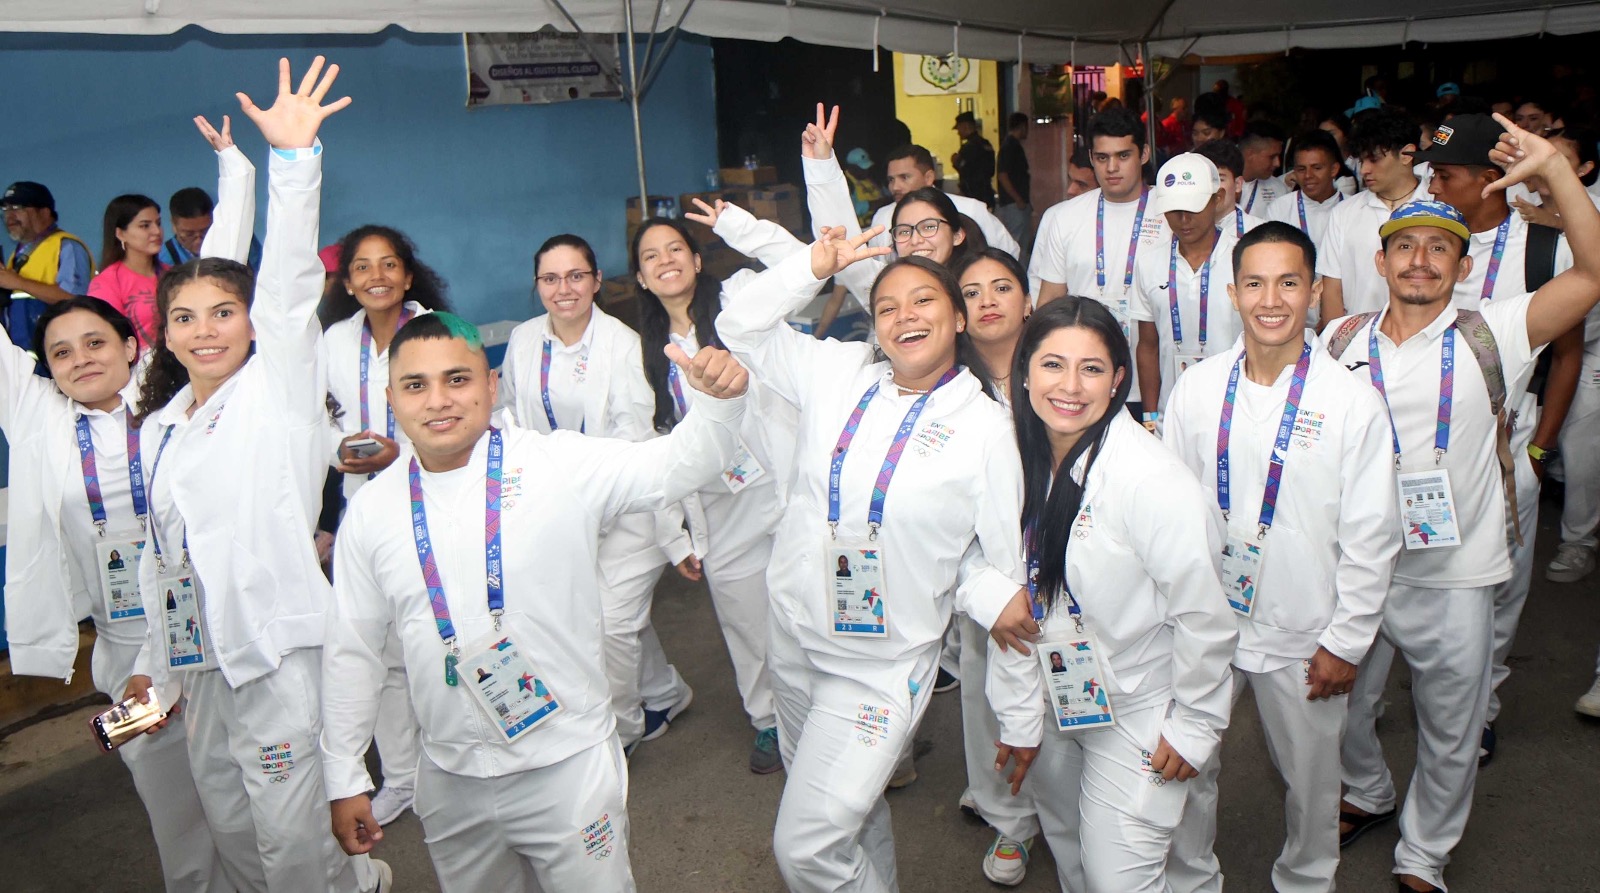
(385, 877)
(1006, 863)
(1572, 563)
(1589, 704)
(390, 802)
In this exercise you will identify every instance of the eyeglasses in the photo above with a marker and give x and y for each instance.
(928, 228)
(576, 279)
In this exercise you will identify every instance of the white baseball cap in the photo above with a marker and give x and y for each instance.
(1185, 183)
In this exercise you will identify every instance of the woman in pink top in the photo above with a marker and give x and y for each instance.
(128, 265)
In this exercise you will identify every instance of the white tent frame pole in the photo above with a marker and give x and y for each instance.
(633, 103)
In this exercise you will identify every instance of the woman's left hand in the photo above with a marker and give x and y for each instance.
(1024, 757)
(711, 371)
(1171, 764)
(294, 118)
(218, 141)
(1015, 626)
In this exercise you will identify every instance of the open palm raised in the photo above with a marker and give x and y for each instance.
(294, 118)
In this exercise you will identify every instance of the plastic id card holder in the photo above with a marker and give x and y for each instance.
(509, 689)
(1428, 510)
(119, 578)
(1241, 568)
(186, 645)
(743, 471)
(1183, 360)
(1075, 683)
(856, 604)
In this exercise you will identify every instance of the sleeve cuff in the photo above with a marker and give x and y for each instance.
(1021, 729)
(1197, 749)
(733, 222)
(794, 272)
(344, 776)
(310, 151)
(231, 162)
(1346, 651)
(822, 170)
(989, 594)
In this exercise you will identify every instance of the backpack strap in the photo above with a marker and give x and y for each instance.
(1539, 257)
(1480, 340)
(1347, 332)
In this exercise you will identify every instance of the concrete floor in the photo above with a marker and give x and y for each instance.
(701, 822)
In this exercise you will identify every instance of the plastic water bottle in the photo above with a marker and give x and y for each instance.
(713, 179)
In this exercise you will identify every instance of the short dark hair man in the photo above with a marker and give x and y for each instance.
(974, 161)
(47, 265)
(1014, 206)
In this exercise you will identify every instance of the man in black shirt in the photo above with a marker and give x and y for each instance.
(1015, 206)
(975, 160)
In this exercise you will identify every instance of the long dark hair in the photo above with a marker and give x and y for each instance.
(972, 243)
(165, 376)
(428, 288)
(966, 354)
(52, 312)
(1049, 511)
(655, 325)
(120, 212)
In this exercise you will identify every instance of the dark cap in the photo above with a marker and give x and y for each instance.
(968, 117)
(26, 194)
(1464, 139)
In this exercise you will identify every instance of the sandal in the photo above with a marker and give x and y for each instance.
(1360, 824)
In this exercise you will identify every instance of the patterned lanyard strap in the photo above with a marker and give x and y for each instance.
(91, 475)
(155, 539)
(492, 561)
(1447, 389)
(676, 384)
(1238, 222)
(1205, 293)
(1300, 198)
(1255, 189)
(1495, 258)
(1030, 546)
(366, 367)
(1280, 446)
(1100, 242)
(891, 460)
(544, 391)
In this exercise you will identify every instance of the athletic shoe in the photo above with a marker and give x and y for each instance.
(1572, 563)
(656, 722)
(385, 876)
(764, 757)
(1006, 863)
(905, 772)
(1589, 704)
(1486, 745)
(969, 806)
(390, 802)
(945, 682)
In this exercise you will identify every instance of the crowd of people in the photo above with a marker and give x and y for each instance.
(1022, 485)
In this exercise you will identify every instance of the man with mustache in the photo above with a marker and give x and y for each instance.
(47, 265)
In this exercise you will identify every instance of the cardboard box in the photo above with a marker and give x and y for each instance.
(742, 176)
(784, 205)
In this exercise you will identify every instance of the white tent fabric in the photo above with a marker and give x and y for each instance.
(1032, 30)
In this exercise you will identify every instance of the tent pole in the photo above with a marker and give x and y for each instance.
(1149, 97)
(633, 102)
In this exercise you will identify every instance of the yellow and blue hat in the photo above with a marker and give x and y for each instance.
(1426, 213)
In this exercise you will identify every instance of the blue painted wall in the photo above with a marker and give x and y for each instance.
(477, 190)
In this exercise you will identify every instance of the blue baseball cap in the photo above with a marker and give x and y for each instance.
(1448, 88)
(1365, 103)
(1426, 213)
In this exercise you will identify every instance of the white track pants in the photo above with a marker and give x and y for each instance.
(559, 829)
(1099, 801)
(1011, 816)
(1580, 458)
(1446, 636)
(254, 753)
(159, 764)
(397, 730)
(738, 553)
(627, 590)
(1303, 742)
(842, 725)
(1512, 595)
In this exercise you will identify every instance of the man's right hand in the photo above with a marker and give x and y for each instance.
(354, 825)
(139, 687)
(817, 141)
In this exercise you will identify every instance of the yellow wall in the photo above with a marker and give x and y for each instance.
(932, 118)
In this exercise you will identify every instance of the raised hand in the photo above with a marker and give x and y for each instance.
(1522, 154)
(294, 118)
(817, 141)
(835, 251)
(712, 371)
(218, 141)
(708, 214)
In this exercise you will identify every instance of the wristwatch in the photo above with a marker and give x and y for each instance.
(1541, 454)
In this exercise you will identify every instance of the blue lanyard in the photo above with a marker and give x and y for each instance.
(1238, 222)
(676, 385)
(1280, 446)
(91, 474)
(1493, 273)
(1073, 608)
(544, 390)
(1255, 189)
(891, 460)
(155, 539)
(1100, 241)
(1205, 293)
(1300, 198)
(366, 363)
(1447, 387)
(491, 560)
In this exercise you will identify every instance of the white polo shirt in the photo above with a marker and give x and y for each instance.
(1335, 532)
(1151, 303)
(1411, 376)
(1258, 195)
(1240, 221)
(1289, 208)
(1350, 243)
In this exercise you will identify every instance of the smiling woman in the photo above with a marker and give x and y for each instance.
(128, 263)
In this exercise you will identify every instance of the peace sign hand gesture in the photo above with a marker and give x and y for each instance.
(293, 119)
(1522, 153)
(817, 141)
(834, 250)
(708, 214)
(218, 141)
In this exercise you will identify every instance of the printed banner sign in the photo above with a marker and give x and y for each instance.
(541, 67)
(939, 75)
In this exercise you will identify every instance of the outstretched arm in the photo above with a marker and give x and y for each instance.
(233, 220)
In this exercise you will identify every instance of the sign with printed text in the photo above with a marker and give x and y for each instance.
(540, 67)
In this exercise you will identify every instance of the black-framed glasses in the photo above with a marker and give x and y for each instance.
(928, 228)
(576, 279)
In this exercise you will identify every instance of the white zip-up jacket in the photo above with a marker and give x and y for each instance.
(244, 473)
(958, 482)
(557, 492)
(49, 590)
(1336, 529)
(1143, 561)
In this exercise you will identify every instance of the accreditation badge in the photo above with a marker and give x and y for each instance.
(1184, 359)
(186, 644)
(1241, 568)
(743, 471)
(507, 686)
(1428, 510)
(119, 578)
(1075, 683)
(857, 606)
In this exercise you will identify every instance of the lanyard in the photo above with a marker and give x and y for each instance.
(430, 566)
(1205, 293)
(1100, 241)
(1499, 254)
(1447, 388)
(544, 390)
(366, 364)
(1238, 222)
(1300, 198)
(677, 389)
(1280, 446)
(1073, 608)
(891, 460)
(91, 475)
(155, 539)
(1255, 188)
